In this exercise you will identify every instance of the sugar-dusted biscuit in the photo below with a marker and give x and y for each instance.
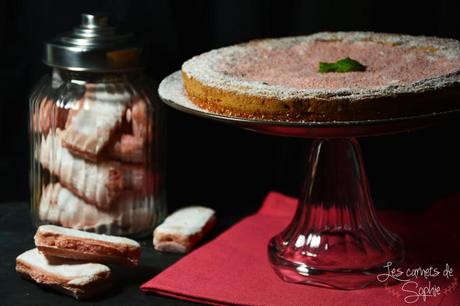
(131, 144)
(59, 205)
(128, 148)
(48, 116)
(78, 245)
(100, 184)
(77, 279)
(91, 125)
(131, 213)
(183, 229)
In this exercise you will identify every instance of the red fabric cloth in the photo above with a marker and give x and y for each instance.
(234, 268)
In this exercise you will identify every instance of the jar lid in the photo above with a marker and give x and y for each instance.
(94, 46)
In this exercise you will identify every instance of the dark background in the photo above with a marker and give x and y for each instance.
(210, 163)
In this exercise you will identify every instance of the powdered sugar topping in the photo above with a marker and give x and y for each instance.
(286, 68)
(78, 273)
(53, 229)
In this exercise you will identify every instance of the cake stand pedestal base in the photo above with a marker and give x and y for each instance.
(335, 239)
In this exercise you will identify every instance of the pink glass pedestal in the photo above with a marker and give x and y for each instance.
(335, 239)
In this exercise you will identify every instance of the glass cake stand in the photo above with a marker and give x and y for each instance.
(335, 239)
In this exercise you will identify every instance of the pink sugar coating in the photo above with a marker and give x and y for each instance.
(297, 66)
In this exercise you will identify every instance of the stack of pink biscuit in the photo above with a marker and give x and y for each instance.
(96, 151)
(72, 261)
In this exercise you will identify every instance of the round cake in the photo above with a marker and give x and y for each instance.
(281, 79)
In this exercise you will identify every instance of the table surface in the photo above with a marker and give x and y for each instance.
(16, 236)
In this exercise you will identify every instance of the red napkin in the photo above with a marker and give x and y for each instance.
(234, 268)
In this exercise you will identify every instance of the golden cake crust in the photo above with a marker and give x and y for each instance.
(219, 88)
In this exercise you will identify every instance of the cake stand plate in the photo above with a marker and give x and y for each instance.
(172, 92)
(335, 239)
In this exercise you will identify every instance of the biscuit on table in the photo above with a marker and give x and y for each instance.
(180, 231)
(77, 279)
(78, 245)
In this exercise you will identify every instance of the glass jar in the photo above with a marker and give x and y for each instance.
(96, 137)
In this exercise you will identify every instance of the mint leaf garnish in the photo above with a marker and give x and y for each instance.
(343, 65)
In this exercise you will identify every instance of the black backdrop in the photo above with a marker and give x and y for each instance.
(210, 163)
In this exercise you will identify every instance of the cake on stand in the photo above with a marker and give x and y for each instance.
(335, 239)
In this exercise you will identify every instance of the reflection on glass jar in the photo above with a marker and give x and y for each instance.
(96, 152)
